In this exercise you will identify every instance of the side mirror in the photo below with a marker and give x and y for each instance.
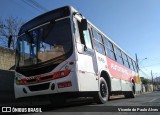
(84, 24)
(9, 41)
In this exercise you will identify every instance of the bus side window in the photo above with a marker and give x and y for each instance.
(134, 64)
(109, 49)
(85, 36)
(87, 39)
(96, 35)
(119, 55)
(97, 42)
(130, 63)
(125, 59)
(99, 47)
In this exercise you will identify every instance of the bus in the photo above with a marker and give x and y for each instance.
(62, 54)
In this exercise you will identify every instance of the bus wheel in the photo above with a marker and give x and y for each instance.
(127, 95)
(132, 93)
(102, 96)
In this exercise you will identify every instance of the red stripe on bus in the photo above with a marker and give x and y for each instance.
(119, 71)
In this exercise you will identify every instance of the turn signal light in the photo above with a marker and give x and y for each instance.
(20, 82)
(61, 74)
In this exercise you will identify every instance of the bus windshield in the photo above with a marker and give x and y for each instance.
(44, 43)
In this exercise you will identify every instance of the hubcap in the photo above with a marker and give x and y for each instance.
(103, 90)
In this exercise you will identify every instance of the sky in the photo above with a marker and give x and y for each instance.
(132, 24)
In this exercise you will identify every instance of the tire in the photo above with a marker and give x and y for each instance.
(126, 95)
(132, 93)
(102, 96)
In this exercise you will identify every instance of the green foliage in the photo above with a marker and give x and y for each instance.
(145, 81)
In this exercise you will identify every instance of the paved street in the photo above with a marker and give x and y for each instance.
(87, 105)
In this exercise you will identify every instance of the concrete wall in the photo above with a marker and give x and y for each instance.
(7, 58)
(6, 86)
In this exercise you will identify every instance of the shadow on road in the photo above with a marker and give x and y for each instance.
(79, 104)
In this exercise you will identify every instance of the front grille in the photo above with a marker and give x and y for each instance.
(39, 87)
(46, 77)
(31, 80)
(39, 79)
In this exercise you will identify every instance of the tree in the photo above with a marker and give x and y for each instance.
(9, 26)
(145, 81)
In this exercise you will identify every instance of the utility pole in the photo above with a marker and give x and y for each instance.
(152, 76)
(137, 62)
(152, 79)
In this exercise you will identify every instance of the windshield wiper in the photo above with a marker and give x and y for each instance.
(45, 35)
(30, 37)
(50, 27)
(31, 40)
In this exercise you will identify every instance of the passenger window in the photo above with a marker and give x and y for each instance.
(109, 49)
(105, 40)
(125, 59)
(119, 55)
(97, 36)
(85, 36)
(87, 39)
(110, 46)
(99, 47)
(135, 67)
(130, 63)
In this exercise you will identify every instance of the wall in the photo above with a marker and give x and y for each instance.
(6, 86)
(7, 58)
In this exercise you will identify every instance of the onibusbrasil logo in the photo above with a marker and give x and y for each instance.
(24, 110)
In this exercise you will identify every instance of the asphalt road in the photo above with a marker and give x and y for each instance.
(146, 103)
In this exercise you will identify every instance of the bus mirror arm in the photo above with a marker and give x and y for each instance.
(84, 24)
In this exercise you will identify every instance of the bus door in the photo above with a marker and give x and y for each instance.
(86, 60)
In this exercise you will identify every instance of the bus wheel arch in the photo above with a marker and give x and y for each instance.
(106, 76)
(133, 84)
(133, 90)
(104, 89)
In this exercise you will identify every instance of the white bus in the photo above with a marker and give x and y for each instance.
(62, 54)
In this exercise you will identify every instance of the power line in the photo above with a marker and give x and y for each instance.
(146, 70)
(151, 65)
(154, 57)
(35, 5)
(39, 5)
(145, 73)
(22, 6)
(24, 1)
